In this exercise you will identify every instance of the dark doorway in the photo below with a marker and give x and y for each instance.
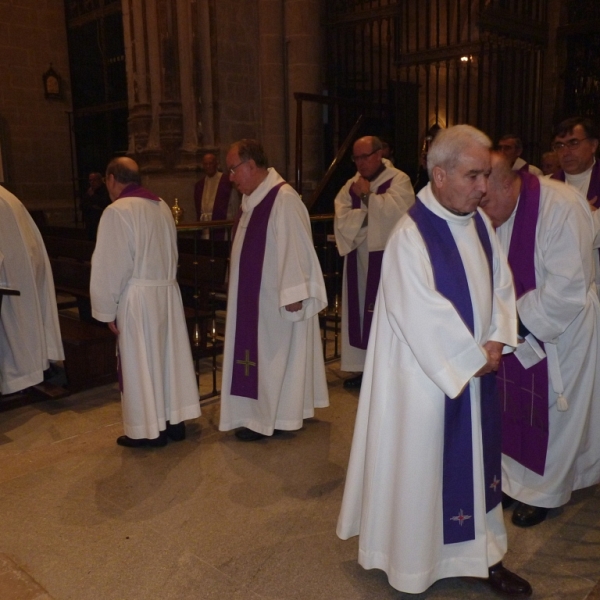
(99, 83)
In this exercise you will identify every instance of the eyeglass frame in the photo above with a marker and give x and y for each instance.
(354, 159)
(571, 144)
(232, 169)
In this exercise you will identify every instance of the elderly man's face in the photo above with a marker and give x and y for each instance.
(501, 198)
(575, 151)
(209, 164)
(367, 161)
(510, 150)
(241, 172)
(461, 189)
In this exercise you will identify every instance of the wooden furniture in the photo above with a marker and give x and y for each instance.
(90, 353)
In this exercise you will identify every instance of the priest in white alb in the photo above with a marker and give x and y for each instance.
(134, 289)
(29, 329)
(366, 210)
(423, 489)
(549, 388)
(273, 369)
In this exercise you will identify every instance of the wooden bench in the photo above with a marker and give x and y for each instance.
(90, 354)
(76, 249)
(72, 277)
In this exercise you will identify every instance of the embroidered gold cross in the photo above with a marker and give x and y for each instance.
(247, 363)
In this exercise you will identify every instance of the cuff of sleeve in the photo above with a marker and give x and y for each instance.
(103, 317)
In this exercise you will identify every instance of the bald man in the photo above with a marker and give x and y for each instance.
(366, 210)
(133, 289)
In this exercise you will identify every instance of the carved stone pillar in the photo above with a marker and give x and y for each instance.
(163, 54)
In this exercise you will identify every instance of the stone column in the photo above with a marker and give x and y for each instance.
(273, 84)
(304, 37)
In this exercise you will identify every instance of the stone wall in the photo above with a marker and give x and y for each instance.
(34, 131)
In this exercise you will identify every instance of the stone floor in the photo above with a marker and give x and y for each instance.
(212, 518)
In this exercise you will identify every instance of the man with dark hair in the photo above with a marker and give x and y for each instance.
(273, 369)
(549, 390)
(214, 196)
(134, 289)
(511, 146)
(576, 143)
(93, 204)
(366, 210)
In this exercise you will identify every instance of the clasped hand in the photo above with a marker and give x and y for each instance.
(494, 354)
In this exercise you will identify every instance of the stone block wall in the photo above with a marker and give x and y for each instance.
(34, 131)
(237, 37)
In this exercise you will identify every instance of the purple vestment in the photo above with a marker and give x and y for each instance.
(451, 282)
(244, 378)
(133, 190)
(220, 206)
(594, 187)
(356, 337)
(524, 392)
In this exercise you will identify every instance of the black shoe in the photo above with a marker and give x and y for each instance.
(247, 435)
(353, 383)
(528, 516)
(158, 442)
(507, 501)
(176, 432)
(503, 580)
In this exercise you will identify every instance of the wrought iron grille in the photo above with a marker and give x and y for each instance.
(452, 61)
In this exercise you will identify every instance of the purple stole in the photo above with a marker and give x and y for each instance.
(133, 190)
(524, 392)
(244, 378)
(219, 212)
(356, 337)
(524, 168)
(458, 488)
(593, 189)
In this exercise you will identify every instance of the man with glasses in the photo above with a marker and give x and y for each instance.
(366, 210)
(511, 146)
(273, 368)
(576, 143)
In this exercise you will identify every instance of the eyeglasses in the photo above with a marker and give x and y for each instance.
(573, 143)
(355, 159)
(232, 169)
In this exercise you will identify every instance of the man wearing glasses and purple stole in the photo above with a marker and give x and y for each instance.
(576, 144)
(423, 489)
(273, 369)
(366, 210)
(549, 389)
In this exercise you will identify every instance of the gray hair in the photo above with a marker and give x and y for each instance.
(249, 149)
(449, 144)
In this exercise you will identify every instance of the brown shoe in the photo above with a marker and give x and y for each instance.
(506, 582)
